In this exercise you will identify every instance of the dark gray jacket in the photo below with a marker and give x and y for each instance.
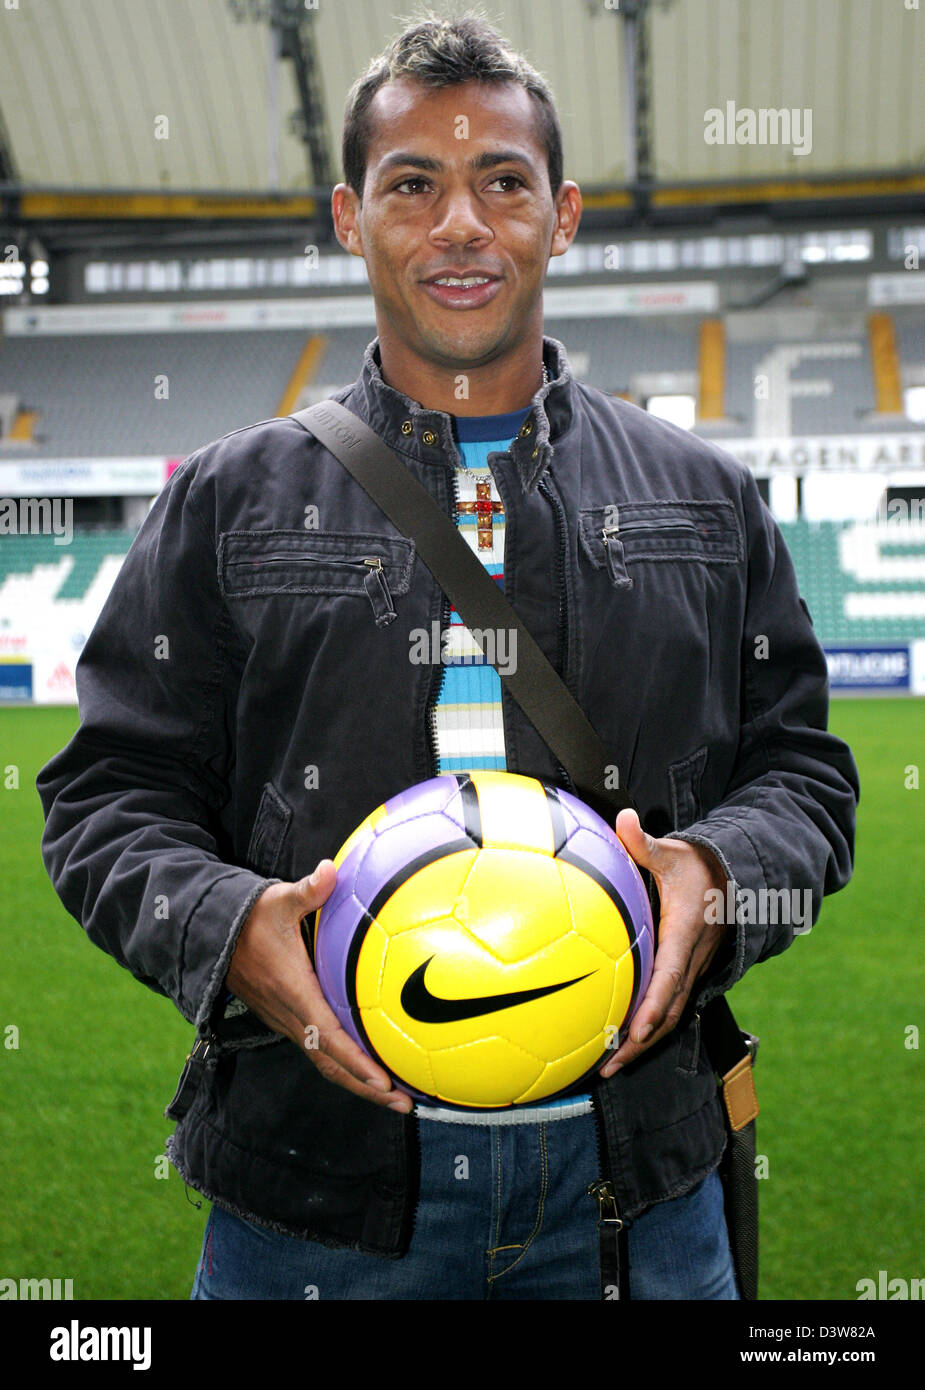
(242, 710)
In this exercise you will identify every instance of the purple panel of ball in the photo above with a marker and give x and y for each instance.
(422, 799)
(645, 943)
(397, 848)
(341, 915)
(600, 847)
(583, 814)
(595, 843)
(574, 812)
(340, 928)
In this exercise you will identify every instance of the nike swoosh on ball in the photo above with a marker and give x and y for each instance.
(418, 1002)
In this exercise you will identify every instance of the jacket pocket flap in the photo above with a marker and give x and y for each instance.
(675, 530)
(270, 826)
(310, 562)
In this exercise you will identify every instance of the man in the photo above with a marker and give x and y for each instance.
(202, 783)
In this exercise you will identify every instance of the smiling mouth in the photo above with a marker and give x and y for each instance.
(463, 291)
(462, 281)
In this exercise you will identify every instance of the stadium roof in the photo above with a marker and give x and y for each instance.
(85, 85)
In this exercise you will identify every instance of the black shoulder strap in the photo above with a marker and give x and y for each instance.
(531, 679)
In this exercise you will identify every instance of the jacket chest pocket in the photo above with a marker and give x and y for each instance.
(617, 538)
(261, 564)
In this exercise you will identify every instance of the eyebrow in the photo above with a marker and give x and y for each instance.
(486, 160)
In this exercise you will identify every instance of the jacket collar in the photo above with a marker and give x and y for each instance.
(427, 435)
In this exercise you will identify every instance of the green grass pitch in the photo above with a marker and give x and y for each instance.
(841, 1090)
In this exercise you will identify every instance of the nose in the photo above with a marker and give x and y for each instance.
(459, 220)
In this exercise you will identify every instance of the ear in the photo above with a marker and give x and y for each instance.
(568, 216)
(345, 214)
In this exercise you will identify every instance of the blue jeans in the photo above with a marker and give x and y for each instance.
(504, 1212)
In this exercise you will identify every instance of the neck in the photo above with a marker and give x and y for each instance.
(491, 388)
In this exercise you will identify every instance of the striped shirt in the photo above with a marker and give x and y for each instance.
(468, 715)
(469, 726)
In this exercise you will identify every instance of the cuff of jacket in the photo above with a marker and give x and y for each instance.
(229, 899)
(744, 943)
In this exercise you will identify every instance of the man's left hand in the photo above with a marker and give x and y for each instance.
(687, 942)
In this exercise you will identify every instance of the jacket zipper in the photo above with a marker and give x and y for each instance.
(378, 592)
(437, 689)
(190, 1077)
(601, 1149)
(412, 1130)
(648, 524)
(297, 556)
(413, 1124)
(561, 618)
(375, 582)
(602, 1189)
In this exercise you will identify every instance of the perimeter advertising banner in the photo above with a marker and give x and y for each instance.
(870, 668)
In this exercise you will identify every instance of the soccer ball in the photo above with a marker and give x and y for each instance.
(487, 941)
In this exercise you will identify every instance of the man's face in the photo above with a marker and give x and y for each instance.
(456, 184)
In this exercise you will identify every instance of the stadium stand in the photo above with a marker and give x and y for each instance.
(95, 394)
(621, 349)
(94, 397)
(862, 581)
(36, 570)
(801, 388)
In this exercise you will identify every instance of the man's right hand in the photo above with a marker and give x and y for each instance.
(271, 973)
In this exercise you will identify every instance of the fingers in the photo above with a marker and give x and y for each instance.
(271, 972)
(392, 1098)
(686, 940)
(339, 1058)
(638, 845)
(664, 1000)
(681, 948)
(309, 893)
(658, 1013)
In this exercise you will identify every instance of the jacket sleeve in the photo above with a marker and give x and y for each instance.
(784, 829)
(133, 843)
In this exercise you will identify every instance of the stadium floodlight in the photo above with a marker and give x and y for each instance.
(12, 275)
(914, 402)
(680, 410)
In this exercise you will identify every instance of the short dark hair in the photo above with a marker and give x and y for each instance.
(444, 52)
